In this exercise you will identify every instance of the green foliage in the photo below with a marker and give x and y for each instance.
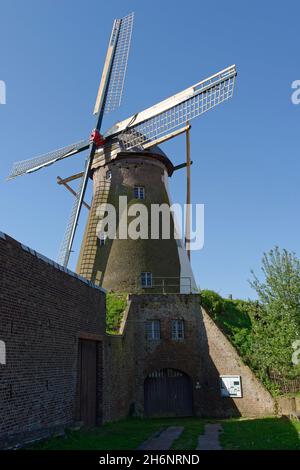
(115, 306)
(233, 317)
(263, 332)
(278, 324)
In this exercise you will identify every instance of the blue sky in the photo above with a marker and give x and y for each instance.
(245, 152)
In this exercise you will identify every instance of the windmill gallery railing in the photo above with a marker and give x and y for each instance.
(166, 285)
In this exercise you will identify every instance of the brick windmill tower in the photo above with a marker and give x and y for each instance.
(127, 161)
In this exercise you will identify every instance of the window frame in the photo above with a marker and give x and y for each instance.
(102, 239)
(147, 275)
(139, 192)
(153, 330)
(177, 333)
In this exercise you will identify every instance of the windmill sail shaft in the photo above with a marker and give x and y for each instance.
(176, 110)
(101, 96)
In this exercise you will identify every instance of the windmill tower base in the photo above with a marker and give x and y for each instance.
(176, 377)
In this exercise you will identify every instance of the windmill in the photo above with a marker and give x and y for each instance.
(132, 137)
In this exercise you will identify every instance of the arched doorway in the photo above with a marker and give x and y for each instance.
(168, 392)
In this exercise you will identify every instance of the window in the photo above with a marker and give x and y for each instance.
(146, 279)
(153, 329)
(177, 329)
(102, 238)
(108, 175)
(139, 192)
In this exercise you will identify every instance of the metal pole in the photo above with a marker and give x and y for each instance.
(188, 192)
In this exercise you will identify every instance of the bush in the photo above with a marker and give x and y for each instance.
(263, 331)
(115, 306)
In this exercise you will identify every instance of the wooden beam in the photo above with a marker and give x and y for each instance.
(182, 165)
(70, 178)
(102, 91)
(61, 181)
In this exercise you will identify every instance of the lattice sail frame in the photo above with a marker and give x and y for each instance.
(63, 255)
(118, 72)
(173, 112)
(34, 164)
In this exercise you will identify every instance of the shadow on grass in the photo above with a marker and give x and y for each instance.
(261, 434)
(245, 434)
(125, 435)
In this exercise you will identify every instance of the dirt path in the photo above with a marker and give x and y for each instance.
(210, 439)
(162, 440)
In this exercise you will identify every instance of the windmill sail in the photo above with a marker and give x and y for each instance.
(118, 71)
(34, 164)
(175, 111)
(115, 64)
(113, 75)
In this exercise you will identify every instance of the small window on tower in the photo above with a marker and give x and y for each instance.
(146, 279)
(153, 329)
(108, 175)
(139, 192)
(102, 238)
(177, 329)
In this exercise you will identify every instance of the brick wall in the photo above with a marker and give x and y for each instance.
(204, 355)
(44, 310)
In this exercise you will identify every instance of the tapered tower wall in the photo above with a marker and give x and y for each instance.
(117, 265)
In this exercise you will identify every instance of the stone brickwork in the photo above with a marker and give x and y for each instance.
(203, 355)
(44, 310)
(118, 263)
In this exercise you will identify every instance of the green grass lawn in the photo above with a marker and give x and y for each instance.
(261, 434)
(267, 433)
(126, 435)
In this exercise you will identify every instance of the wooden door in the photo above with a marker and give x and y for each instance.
(88, 382)
(168, 392)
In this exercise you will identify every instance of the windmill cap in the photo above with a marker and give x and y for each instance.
(115, 149)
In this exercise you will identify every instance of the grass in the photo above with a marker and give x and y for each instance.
(231, 315)
(125, 435)
(193, 427)
(261, 434)
(122, 435)
(244, 434)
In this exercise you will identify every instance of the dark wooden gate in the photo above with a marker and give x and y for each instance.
(88, 382)
(168, 392)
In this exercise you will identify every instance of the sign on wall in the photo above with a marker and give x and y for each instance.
(231, 386)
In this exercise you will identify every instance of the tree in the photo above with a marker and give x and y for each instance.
(277, 324)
